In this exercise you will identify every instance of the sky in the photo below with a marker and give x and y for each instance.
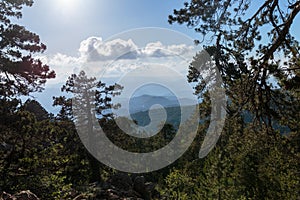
(63, 24)
(87, 34)
(70, 28)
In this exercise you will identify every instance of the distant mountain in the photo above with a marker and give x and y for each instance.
(139, 107)
(37, 109)
(173, 116)
(145, 102)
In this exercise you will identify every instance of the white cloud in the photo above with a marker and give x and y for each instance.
(63, 66)
(94, 49)
(98, 57)
(181, 49)
(64, 60)
(157, 49)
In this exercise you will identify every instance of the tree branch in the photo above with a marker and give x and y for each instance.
(283, 33)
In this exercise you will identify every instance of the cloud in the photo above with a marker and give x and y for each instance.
(63, 66)
(64, 60)
(157, 49)
(118, 56)
(94, 49)
(181, 49)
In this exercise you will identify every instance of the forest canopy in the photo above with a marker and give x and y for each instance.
(256, 157)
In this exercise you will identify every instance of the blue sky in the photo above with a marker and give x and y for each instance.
(70, 28)
(63, 24)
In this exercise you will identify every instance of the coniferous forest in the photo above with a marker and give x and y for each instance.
(256, 157)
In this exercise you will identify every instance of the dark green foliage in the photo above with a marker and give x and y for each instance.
(252, 159)
(36, 109)
(20, 72)
(244, 52)
(31, 157)
(92, 98)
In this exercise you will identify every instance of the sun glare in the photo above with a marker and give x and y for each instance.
(67, 7)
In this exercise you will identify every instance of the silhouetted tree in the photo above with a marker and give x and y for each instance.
(20, 72)
(91, 100)
(250, 45)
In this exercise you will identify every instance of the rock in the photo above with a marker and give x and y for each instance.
(140, 187)
(121, 187)
(121, 181)
(73, 193)
(25, 195)
(150, 186)
(6, 196)
(131, 194)
(80, 197)
(112, 191)
(113, 196)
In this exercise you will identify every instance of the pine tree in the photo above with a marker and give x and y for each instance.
(21, 73)
(92, 100)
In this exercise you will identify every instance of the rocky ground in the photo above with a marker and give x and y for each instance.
(118, 187)
(24, 195)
